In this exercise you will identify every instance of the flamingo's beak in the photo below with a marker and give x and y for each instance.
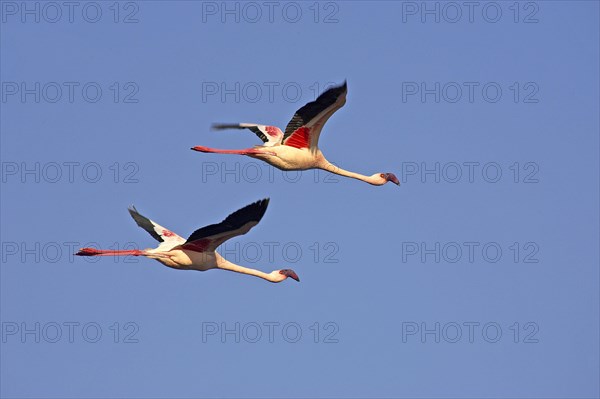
(392, 177)
(291, 274)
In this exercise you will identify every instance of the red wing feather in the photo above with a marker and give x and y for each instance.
(198, 245)
(300, 138)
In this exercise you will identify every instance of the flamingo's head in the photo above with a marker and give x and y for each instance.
(281, 275)
(381, 178)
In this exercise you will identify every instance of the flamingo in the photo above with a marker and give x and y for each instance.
(198, 251)
(297, 148)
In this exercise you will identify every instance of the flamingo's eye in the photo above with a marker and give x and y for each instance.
(382, 175)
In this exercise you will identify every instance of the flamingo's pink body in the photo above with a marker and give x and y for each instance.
(297, 148)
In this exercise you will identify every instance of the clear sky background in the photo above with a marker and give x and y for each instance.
(519, 323)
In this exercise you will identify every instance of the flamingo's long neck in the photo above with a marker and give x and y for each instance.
(342, 172)
(223, 263)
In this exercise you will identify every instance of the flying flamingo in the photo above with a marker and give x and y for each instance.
(297, 148)
(198, 251)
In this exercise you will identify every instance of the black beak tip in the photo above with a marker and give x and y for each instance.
(290, 273)
(392, 177)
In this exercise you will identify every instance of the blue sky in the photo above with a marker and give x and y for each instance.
(478, 277)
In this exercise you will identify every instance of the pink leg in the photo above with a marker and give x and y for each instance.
(247, 151)
(108, 252)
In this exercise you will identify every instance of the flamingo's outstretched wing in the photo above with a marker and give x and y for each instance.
(305, 127)
(166, 237)
(239, 222)
(270, 135)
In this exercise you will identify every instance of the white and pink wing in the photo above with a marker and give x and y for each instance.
(270, 135)
(168, 240)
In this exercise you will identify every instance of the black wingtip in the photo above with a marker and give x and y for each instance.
(257, 209)
(250, 213)
(262, 205)
(337, 89)
(225, 126)
(218, 126)
(132, 210)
